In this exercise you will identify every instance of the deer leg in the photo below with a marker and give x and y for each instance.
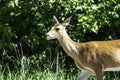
(99, 75)
(84, 75)
(99, 72)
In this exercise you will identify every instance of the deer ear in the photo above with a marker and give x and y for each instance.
(67, 21)
(55, 20)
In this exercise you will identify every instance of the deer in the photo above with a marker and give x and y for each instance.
(92, 57)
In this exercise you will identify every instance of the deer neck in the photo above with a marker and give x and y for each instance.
(69, 46)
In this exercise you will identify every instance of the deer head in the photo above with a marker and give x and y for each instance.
(58, 30)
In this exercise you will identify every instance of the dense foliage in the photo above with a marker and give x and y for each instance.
(23, 24)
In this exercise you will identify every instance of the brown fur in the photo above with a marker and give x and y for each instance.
(101, 51)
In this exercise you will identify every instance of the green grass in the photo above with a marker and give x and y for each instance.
(24, 74)
(26, 71)
(35, 75)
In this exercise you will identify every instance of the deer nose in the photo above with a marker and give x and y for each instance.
(46, 35)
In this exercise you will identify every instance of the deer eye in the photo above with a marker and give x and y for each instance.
(57, 29)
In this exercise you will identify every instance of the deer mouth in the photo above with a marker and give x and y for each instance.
(48, 38)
